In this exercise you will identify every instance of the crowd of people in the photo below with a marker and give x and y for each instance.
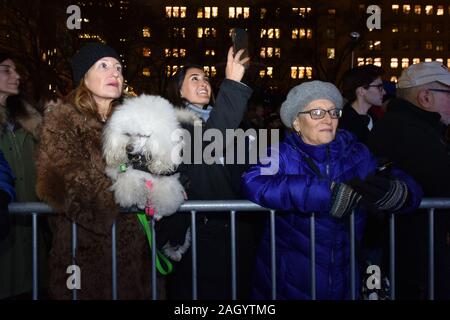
(365, 151)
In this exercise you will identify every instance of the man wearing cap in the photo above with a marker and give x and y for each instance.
(411, 135)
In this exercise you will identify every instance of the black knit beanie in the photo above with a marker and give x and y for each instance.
(87, 56)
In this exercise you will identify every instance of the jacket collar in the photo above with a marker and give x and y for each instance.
(324, 152)
(403, 106)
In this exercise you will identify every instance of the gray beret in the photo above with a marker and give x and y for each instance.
(301, 95)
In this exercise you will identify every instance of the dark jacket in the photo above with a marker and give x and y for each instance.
(356, 123)
(294, 188)
(71, 178)
(214, 181)
(413, 139)
(18, 136)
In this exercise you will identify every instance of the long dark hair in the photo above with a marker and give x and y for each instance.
(173, 89)
(15, 105)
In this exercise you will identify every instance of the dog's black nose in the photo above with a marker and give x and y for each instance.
(129, 148)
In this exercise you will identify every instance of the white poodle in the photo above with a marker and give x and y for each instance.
(142, 144)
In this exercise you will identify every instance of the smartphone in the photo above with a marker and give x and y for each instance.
(239, 38)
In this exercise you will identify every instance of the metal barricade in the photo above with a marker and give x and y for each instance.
(233, 206)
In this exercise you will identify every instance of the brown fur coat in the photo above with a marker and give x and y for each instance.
(71, 179)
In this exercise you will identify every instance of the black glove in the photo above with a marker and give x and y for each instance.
(4, 215)
(380, 192)
(343, 199)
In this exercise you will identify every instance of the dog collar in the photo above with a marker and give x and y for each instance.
(123, 167)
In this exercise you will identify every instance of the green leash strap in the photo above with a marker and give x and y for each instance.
(159, 256)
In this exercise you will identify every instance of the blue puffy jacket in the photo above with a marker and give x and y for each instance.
(6, 178)
(291, 186)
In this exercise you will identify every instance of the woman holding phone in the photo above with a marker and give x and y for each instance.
(191, 89)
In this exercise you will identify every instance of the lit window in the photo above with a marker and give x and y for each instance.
(210, 71)
(146, 32)
(262, 52)
(210, 52)
(268, 72)
(416, 60)
(394, 63)
(294, 33)
(417, 9)
(278, 52)
(377, 62)
(331, 52)
(238, 12)
(374, 45)
(428, 45)
(262, 13)
(428, 60)
(270, 33)
(439, 46)
(206, 32)
(332, 12)
(178, 33)
(406, 8)
(175, 12)
(395, 8)
(146, 72)
(448, 63)
(302, 12)
(440, 60)
(301, 72)
(395, 29)
(394, 79)
(428, 10)
(146, 52)
(405, 63)
(294, 72)
(207, 12)
(360, 61)
(269, 52)
(440, 11)
(308, 33)
(171, 70)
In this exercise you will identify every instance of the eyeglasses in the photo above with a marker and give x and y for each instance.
(319, 113)
(379, 86)
(440, 90)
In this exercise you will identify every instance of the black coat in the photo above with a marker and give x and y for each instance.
(413, 139)
(216, 181)
(356, 123)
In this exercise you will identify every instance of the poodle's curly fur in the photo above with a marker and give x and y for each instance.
(147, 127)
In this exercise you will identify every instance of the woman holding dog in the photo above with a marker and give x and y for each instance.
(191, 89)
(71, 178)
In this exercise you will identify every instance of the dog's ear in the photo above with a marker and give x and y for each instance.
(185, 116)
(114, 146)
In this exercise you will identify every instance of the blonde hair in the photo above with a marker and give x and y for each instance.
(82, 99)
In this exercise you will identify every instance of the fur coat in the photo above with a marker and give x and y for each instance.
(71, 178)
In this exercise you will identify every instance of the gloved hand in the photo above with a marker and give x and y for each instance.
(380, 192)
(343, 199)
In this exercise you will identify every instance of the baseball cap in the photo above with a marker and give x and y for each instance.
(423, 73)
